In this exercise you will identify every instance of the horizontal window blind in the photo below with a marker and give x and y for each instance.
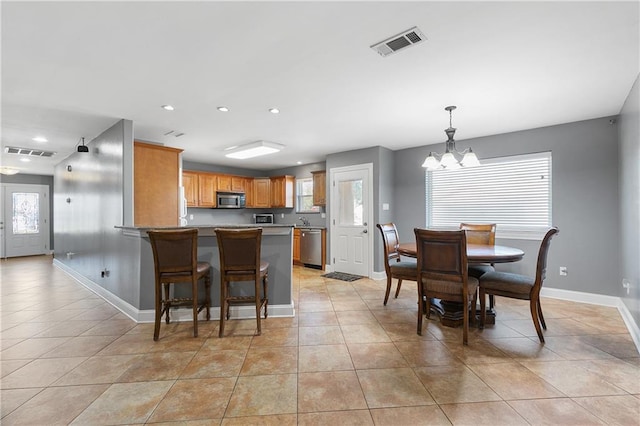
(513, 192)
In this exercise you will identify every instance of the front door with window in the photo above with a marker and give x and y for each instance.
(25, 220)
(350, 219)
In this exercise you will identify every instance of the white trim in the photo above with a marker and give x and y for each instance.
(148, 315)
(601, 300)
(379, 275)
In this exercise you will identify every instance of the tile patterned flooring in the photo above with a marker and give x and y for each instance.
(68, 357)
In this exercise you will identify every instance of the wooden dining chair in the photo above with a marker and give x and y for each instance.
(443, 272)
(175, 260)
(395, 266)
(240, 264)
(519, 286)
(483, 234)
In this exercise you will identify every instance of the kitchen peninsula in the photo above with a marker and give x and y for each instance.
(276, 249)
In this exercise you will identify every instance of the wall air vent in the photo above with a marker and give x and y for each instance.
(398, 42)
(29, 151)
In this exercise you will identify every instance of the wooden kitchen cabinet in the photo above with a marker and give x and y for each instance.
(319, 188)
(238, 184)
(190, 184)
(207, 187)
(156, 177)
(223, 183)
(282, 191)
(296, 246)
(261, 193)
(248, 192)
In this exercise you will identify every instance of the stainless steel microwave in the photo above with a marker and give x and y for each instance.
(231, 200)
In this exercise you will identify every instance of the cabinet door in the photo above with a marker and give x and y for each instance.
(296, 245)
(282, 191)
(238, 184)
(190, 184)
(224, 183)
(319, 188)
(248, 192)
(156, 176)
(207, 190)
(261, 192)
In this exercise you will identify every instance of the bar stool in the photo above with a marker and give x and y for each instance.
(240, 262)
(175, 259)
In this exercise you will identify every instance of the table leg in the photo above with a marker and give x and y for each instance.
(452, 315)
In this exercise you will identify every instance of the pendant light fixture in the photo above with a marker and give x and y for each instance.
(448, 160)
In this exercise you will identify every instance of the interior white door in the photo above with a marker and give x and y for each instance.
(351, 210)
(25, 221)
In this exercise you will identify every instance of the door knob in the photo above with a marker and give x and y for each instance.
(365, 231)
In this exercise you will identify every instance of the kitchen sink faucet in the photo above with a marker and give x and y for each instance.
(304, 220)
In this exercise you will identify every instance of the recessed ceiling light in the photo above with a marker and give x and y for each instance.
(274, 110)
(167, 107)
(223, 109)
(298, 162)
(40, 139)
(25, 160)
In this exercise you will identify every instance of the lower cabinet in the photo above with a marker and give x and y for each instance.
(296, 246)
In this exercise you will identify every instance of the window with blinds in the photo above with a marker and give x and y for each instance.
(513, 192)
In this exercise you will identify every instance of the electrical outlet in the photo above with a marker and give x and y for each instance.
(281, 215)
(563, 271)
(626, 285)
(323, 215)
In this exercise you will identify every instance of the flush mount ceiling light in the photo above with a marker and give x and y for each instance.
(223, 109)
(40, 139)
(274, 110)
(168, 107)
(8, 171)
(253, 149)
(448, 160)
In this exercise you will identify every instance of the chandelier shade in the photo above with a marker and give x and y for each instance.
(448, 160)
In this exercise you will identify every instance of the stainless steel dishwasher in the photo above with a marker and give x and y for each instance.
(311, 247)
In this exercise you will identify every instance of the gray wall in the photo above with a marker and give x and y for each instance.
(98, 190)
(585, 199)
(381, 158)
(24, 179)
(629, 124)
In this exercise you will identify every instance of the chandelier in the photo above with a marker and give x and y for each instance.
(448, 160)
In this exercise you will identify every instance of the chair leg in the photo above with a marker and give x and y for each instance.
(465, 319)
(386, 294)
(223, 307)
(420, 313)
(398, 287)
(533, 306)
(265, 287)
(207, 291)
(483, 305)
(158, 303)
(492, 302)
(474, 305)
(258, 304)
(427, 303)
(194, 297)
(167, 305)
(544, 325)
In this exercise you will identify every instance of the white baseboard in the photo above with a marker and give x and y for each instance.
(148, 315)
(597, 299)
(378, 275)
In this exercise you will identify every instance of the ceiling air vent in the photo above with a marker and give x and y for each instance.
(29, 151)
(398, 42)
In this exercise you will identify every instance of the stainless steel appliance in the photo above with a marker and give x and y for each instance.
(231, 200)
(263, 218)
(311, 247)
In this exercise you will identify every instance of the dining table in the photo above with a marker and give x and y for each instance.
(451, 313)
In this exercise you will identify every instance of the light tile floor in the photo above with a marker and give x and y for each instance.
(68, 357)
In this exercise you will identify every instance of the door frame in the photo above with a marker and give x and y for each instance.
(45, 214)
(368, 167)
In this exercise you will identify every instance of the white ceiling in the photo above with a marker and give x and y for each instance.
(72, 69)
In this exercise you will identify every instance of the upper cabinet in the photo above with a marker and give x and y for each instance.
(319, 188)
(282, 191)
(156, 176)
(200, 189)
(261, 193)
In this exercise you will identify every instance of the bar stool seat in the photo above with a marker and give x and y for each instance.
(240, 263)
(175, 259)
